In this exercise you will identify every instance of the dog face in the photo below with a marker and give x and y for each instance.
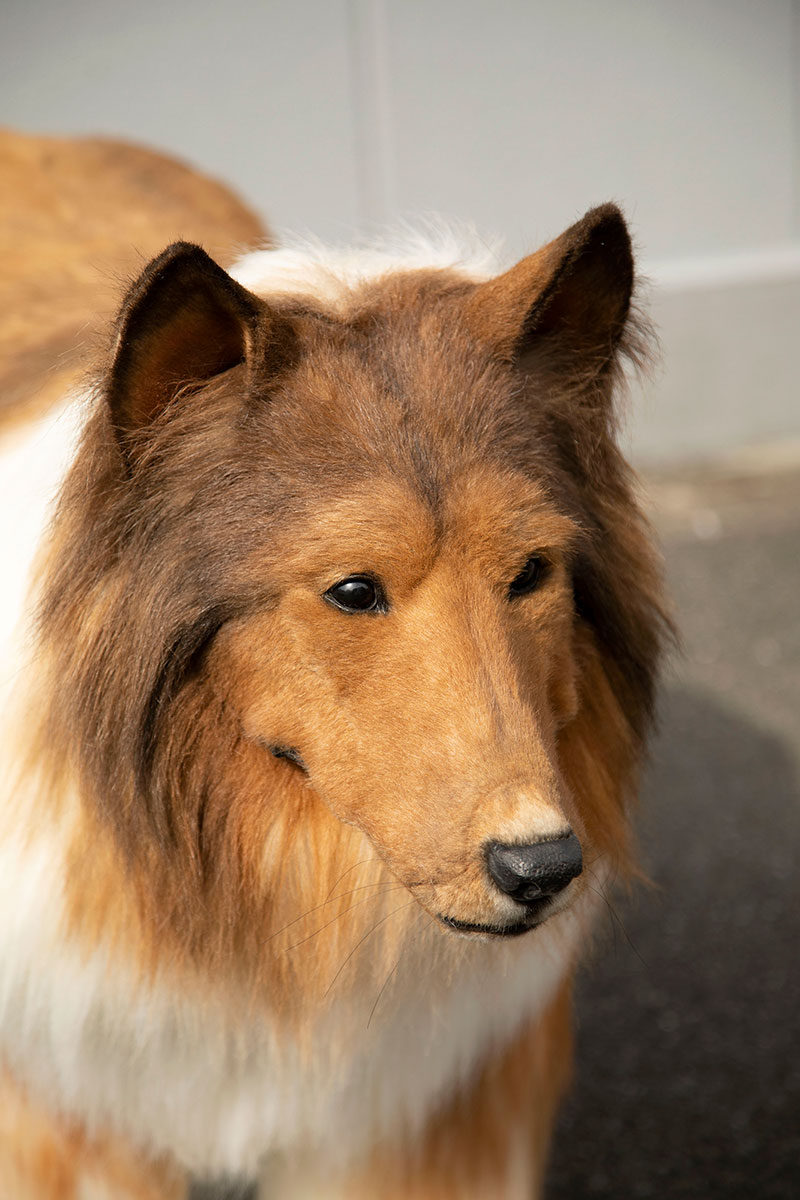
(388, 542)
(417, 666)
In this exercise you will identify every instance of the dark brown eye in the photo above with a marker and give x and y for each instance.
(357, 593)
(529, 577)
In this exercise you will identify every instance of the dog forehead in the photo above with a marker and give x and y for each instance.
(396, 383)
(381, 520)
(394, 417)
(404, 332)
(482, 514)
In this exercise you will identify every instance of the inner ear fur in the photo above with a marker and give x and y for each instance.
(571, 297)
(184, 321)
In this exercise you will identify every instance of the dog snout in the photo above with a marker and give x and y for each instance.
(529, 873)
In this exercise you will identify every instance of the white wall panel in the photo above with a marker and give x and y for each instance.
(728, 374)
(514, 115)
(519, 115)
(795, 149)
(258, 93)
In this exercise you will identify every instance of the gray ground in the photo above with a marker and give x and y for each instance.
(688, 1074)
(688, 1080)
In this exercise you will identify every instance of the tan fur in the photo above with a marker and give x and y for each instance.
(42, 1158)
(435, 432)
(77, 218)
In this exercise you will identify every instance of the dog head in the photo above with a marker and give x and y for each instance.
(378, 548)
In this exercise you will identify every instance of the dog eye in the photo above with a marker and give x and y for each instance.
(357, 593)
(529, 577)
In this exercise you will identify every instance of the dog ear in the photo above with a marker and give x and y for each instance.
(570, 298)
(184, 321)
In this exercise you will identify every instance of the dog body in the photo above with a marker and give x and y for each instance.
(346, 632)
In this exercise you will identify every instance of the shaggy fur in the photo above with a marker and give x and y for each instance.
(243, 823)
(77, 216)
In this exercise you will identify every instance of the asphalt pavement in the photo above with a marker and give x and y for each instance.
(688, 1072)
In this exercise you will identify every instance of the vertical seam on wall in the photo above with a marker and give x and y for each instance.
(371, 111)
(795, 127)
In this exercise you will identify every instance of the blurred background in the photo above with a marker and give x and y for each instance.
(516, 115)
(340, 116)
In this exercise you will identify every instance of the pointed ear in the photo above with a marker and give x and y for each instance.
(184, 321)
(572, 296)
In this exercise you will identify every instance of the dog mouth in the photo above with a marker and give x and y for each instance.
(536, 915)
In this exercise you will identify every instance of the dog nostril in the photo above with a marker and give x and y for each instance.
(531, 873)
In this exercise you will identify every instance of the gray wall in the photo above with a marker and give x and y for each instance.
(335, 115)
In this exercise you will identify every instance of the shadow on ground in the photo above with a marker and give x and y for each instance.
(688, 1077)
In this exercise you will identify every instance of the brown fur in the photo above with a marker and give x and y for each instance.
(435, 432)
(77, 216)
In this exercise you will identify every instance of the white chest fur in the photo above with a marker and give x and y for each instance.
(32, 464)
(178, 1074)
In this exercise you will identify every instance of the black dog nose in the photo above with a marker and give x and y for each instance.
(530, 873)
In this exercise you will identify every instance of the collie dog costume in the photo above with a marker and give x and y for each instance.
(326, 686)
